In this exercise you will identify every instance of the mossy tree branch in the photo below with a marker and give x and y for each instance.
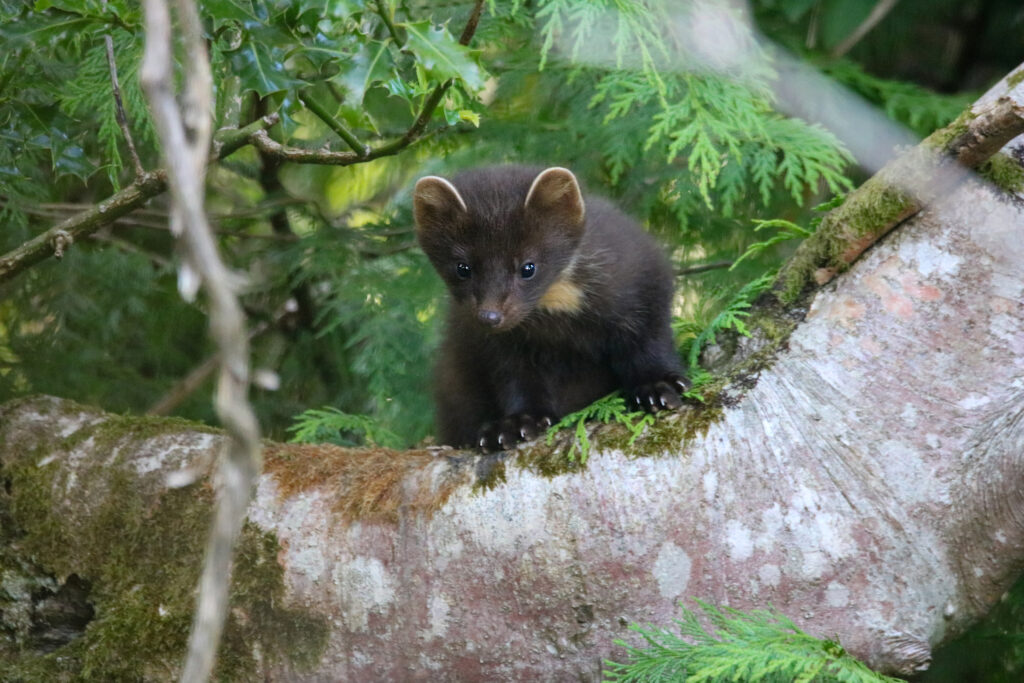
(903, 187)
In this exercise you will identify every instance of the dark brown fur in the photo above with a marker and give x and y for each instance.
(520, 352)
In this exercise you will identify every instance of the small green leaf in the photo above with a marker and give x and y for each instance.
(373, 63)
(441, 56)
(263, 69)
(470, 117)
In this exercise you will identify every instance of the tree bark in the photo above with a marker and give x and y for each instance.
(867, 480)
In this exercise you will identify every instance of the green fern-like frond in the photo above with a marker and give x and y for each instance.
(610, 408)
(730, 317)
(755, 647)
(335, 426)
(787, 230)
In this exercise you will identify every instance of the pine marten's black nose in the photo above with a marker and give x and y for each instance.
(491, 318)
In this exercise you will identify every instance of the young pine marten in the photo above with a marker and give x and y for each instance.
(557, 300)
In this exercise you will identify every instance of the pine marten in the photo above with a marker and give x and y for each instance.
(557, 300)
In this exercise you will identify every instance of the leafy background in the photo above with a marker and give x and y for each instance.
(344, 308)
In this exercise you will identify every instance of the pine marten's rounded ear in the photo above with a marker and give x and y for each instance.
(436, 202)
(555, 191)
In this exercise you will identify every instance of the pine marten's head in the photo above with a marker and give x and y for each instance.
(504, 240)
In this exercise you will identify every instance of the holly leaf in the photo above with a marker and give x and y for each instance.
(68, 157)
(441, 56)
(262, 69)
(373, 63)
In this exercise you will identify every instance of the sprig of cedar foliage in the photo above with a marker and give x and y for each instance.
(610, 408)
(722, 124)
(330, 425)
(755, 647)
(696, 333)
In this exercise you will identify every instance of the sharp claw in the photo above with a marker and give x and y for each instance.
(501, 440)
(661, 400)
(545, 422)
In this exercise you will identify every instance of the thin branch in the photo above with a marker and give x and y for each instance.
(126, 246)
(385, 15)
(188, 384)
(155, 219)
(185, 133)
(474, 19)
(704, 267)
(334, 124)
(119, 114)
(878, 12)
(144, 188)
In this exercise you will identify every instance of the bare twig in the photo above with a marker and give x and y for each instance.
(154, 219)
(474, 19)
(122, 118)
(184, 387)
(156, 259)
(704, 267)
(385, 15)
(878, 12)
(334, 124)
(186, 134)
(144, 188)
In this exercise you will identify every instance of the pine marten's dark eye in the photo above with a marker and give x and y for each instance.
(462, 270)
(527, 271)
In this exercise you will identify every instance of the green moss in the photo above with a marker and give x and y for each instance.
(1016, 78)
(868, 213)
(139, 546)
(941, 139)
(771, 326)
(490, 471)
(114, 428)
(1003, 172)
(552, 461)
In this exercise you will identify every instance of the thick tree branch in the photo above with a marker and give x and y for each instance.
(899, 190)
(148, 185)
(185, 131)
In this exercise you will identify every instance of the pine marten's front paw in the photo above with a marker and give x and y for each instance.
(664, 394)
(507, 432)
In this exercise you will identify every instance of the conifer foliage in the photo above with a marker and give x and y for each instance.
(723, 644)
